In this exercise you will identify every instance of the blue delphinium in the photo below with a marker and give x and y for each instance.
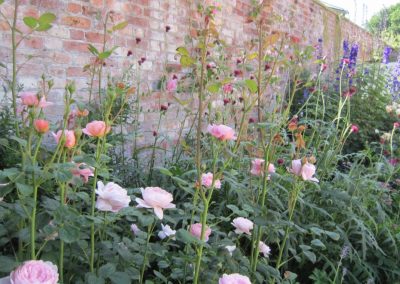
(386, 55)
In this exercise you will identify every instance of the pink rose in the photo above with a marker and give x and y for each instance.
(264, 249)
(70, 139)
(257, 166)
(195, 231)
(221, 132)
(111, 197)
(41, 125)
(35, 272)
(306, 171)
(29, 99)
(206, 180)
(227, 88)
(172, 85)
(235, 278)
(135, 229)
(81, 171)
(96, 129)
(242, 225)
(156, 198)
(354, 128)
(43, 103)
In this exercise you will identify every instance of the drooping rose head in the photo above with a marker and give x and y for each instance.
(43, 103)
(70, 139)
(41, 125)
(195, 231)
(96, 129)
(29, 99)
(354, 128)
(264, 249)
(207, 178)
(35, 272)
(172, 85)
(221, 132)
(296, 167)
(166, 231)
(257, 167)
(156, 198)
(242, 225)
(81, 170)
(307, 172)
(111, 197)
(234, 278)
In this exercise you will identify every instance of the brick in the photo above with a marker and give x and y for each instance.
(94, 37)
(75, 46)
(34, 42)
(76, 72)
(76, 22)
(76, 34)
(74, 8)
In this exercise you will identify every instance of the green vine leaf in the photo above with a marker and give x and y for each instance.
(31, 22)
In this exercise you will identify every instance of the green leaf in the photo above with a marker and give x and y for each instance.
(186, 61)
(1, 2)
(91, 278)
(185, 237)
(24, 189)
(333, 235)
(47, 18)
(160, 276)
(93, 50)
(310, 255)
(214, 88)
(20, 141)
(318, 243)
(7, 263)
(120, 278)
(31, 22)
(43, 27)
(107, 270)
(120, 26)
(183, 51)
(105, 54)
(165, 171)
(69, 233)
(252, 85)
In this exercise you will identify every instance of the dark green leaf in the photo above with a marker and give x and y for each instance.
(24, 189)
(310, 255)
(69, 233)
(107, 270)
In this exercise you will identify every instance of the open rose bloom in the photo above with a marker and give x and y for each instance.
(111, 197)
(235, 278)
(207, 179)
(35, 272)
(195, 231)
(306, 171)
(257, 167)
(70, 139)
(242, 225)
(156, 198)
(221, 132)
(96, 129)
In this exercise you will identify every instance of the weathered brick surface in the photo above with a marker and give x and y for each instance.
(62, 52)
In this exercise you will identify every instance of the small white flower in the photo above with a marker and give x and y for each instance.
(230, 249)
(264, 249)
(166, 232)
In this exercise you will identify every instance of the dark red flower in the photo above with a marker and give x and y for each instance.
(280, 161)
(251, 120)
(138, 40)
(238, 73)
(226, 101)
(163, 107)
(167, 28)
(129, 53)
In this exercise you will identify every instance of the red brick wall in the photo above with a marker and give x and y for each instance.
(62, 52)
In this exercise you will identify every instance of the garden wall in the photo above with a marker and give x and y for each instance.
(62, 52)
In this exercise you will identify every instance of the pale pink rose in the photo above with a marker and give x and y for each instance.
(70, 139)
(296, 167)
(166, 231)
(43, 103)
(264, 249)
(195, 231)
(96, 129)
(227, 88)
(35, 272)
(221, 132)
(172, 85)
(235, 278)
(257, 166)
(29, 99)
(135, 229)
(242, 225)
(82, 171)
(156, 198)
(111, 197)
(305, 171)
(206, 180)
